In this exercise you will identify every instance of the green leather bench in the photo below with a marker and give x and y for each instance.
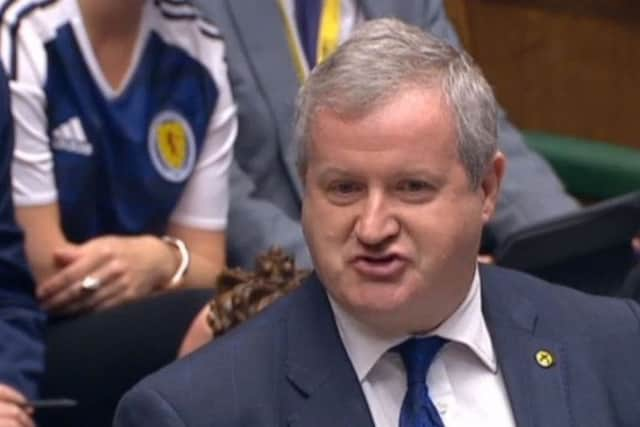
(590, 170)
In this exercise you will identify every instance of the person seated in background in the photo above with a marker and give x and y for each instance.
(271, 45)
(124, 126)
(399, 325)
(241, 294)
(21, 321)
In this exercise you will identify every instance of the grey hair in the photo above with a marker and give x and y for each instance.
(384, 56)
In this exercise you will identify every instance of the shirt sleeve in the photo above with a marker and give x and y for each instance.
(32, 169)
(205, 201)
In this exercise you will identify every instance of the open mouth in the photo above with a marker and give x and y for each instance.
(379, 267)
(379, 259)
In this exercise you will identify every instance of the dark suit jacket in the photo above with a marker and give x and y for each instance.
(265, 189)
(21, 322)
(288, 367)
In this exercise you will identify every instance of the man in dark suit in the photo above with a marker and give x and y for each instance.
(21, 322)
(399, 325)
(265, 70)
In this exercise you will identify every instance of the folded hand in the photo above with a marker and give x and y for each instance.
(105, 272)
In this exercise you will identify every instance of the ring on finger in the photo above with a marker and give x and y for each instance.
(90, 283)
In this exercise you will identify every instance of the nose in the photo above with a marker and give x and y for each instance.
(376, 224)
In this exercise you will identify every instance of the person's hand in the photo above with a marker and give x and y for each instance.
(12, 410)
(199, 333)
(635, 244)
(105, 272)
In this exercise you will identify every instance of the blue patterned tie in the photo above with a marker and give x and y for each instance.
(417, 408)
(308, 21)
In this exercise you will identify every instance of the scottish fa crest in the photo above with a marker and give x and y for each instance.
(171, 146)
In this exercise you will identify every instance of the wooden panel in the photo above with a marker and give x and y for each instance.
(571, 67)
(457, 11)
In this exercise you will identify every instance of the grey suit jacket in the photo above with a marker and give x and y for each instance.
(265, 189)
(288, 366)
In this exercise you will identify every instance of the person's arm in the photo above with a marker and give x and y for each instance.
(32, 181)
(207, 252)
(58, 265)
(43, 236)
(127, 267)
(198, 334)
(21, 322)
(531, 191)
(131, 267)
(124, 268)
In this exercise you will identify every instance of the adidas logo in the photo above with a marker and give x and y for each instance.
(70, 136)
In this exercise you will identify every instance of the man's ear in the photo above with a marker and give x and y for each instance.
(490, 185)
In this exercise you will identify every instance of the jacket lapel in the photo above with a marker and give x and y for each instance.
(325, 389)
(538, 395)
(264, 36)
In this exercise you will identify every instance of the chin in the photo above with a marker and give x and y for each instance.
(373, 298)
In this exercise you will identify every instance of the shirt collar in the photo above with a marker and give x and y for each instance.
(465, 326)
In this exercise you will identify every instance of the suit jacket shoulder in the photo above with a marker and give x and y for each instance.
(593, 343)
(282, 367)
(562, 312)
(232, 379)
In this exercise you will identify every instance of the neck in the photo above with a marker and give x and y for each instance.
(112, 27)
(111, 18)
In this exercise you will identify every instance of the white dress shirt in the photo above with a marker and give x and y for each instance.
(464, 379)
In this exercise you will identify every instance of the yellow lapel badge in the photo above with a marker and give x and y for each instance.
(545, 359)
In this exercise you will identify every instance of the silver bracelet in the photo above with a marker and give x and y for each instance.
(185, 260)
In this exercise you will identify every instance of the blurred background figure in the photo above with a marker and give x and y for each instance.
(124, 126)
(21, 321)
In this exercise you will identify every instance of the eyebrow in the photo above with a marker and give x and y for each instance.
(335, 171)
(435, 178)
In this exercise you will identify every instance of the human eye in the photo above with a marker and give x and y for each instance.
(414, 190)
(343, 191)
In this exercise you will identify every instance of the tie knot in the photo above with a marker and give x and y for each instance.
(417, 355)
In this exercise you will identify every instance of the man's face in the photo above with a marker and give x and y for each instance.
(390, 217)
